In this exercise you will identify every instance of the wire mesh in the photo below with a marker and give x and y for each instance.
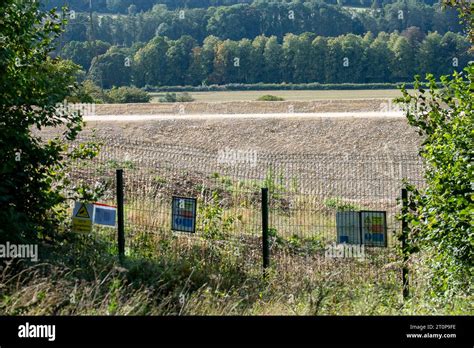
(306, 192)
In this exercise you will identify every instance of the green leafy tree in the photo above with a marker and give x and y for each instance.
(257, 62)
(179, 57)
(88, 92)
(32, 171)
(273, 59)
(290, 46)
(151, 63)
(378, 59)
(303, 60)
(247, 60)
(114, 68)
(82, 52)
(207, 57)
(227, 62)
(429, 58)
(455, 51)
(320, 49)
(402, 61)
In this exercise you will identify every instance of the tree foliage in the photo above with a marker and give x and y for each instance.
(301, 58)
(250, 19)
(442, 214)
(32, 175)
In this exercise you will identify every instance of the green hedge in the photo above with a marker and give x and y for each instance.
(276, 86)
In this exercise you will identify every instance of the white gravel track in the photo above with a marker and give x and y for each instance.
(131, 118)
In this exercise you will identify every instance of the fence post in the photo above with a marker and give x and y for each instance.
(265, 244)
(120, 220)
(404, 236)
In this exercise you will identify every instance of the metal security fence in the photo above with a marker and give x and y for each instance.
(306, 194)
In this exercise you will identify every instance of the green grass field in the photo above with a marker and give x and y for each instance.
(289, 95)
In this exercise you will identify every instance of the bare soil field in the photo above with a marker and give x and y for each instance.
(363, 126)
(289, 95)
(310, 135)
(246, 107)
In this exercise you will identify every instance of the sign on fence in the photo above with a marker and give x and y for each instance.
(362, 227)
(183, 216)
(82, 216)
(104, 214)
(348, 227)
(374, 228)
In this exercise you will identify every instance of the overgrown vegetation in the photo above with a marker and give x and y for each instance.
(441, 216)
(176, 98)
(338, 204)
(268, 97)
(83, 278)
(89, 92)
(127, 95)
(33, 86)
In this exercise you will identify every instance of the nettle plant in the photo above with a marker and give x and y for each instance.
(441, 215)
(33, 180)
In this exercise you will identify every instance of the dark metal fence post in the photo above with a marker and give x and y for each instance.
(406, 289)
(265, 244)
(121, 227)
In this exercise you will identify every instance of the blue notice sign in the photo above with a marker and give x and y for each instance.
(183, 216)
(104, 214)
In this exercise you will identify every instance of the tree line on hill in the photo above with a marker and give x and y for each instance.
(270, 18)
(298, 59)
(127, 6)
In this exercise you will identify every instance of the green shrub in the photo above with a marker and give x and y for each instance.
(269, 97)
(88, 92)
(127, 95)
(184, 97)
(174, 98)
(440, 215)
(214, 224)
(338, 204)
(168, 98)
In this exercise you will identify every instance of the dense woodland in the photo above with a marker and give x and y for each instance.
(122, 6)
(262, 42)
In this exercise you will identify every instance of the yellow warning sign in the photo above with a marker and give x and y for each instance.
(80, 225)
(82, 217)
(82, 212)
